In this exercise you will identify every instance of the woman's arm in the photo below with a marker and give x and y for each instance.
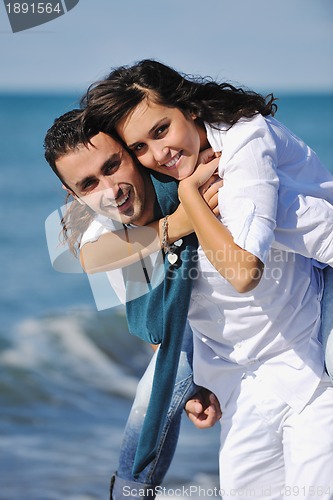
(126, 246)
(239, 245)
(121, 248)
(241, 268)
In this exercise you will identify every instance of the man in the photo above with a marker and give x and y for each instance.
(105, 180)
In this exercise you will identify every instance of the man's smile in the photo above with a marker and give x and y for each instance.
(121, 203)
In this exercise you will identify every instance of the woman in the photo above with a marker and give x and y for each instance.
(255, 309)
(167, 119)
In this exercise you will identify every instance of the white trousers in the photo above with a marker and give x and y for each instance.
(268, 451)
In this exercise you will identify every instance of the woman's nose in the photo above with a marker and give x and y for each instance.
(161, 154)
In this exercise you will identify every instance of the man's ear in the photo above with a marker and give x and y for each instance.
(75, 196)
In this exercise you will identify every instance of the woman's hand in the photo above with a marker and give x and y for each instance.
(179, 223)
(207, 155)
(200, 176)
(241, 268)
(209, 191)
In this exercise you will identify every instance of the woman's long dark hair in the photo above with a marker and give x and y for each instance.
(111, 99)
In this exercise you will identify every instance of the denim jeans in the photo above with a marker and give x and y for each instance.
(123, 485)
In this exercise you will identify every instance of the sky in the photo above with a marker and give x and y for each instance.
(266, 45)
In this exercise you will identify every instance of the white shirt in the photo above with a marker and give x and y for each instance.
(109, 288)
(273, 181)
(271, 331)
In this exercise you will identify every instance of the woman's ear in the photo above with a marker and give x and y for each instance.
(75, 196)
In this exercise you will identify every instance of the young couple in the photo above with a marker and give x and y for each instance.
(254, 307)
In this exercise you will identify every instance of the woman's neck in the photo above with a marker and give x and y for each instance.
(204, 144)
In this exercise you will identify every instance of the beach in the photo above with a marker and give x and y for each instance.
(68, 372)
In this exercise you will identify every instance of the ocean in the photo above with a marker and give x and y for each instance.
(68, 372)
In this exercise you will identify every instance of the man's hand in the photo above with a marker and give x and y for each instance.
(203, 409)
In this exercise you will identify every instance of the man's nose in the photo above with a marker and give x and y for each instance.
(108, 187)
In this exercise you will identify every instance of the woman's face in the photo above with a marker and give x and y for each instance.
(163, 139)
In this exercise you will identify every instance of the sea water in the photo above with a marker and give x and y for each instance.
(68, 373)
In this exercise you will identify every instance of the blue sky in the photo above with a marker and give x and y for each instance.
(280, 45)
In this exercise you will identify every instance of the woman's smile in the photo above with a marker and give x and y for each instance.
(163, 138)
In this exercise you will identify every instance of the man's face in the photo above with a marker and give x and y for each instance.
(104, 176)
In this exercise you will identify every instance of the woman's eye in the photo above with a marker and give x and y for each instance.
(160, 130)
(139, 147)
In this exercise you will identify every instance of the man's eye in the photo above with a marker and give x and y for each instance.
(88, 185)
(111, 168)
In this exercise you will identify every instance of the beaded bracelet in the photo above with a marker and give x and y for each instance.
(169, 250)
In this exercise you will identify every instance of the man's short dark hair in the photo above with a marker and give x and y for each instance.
(65, 135)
